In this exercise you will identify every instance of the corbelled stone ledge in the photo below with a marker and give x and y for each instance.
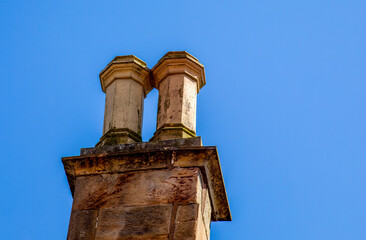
(187, 142)
(147, 156)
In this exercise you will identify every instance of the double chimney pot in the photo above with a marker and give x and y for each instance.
(127, 80)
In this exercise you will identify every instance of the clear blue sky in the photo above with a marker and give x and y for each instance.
(284, 102)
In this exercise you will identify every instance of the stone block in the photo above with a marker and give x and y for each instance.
(82, 225)
(151, 221)
(185, 230)
(189, 222)
(187, 213)
(186, 221)
(137, 188)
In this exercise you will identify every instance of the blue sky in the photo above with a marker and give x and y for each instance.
(284, 102)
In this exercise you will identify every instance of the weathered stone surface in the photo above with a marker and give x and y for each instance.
(185, 230)
(144, 160)
(214, 180)
(124, 105)
(187, 213)
(137, 188)
(201, 233)
(82, 225)
(178, 76)
(177, 101)
(127, 222)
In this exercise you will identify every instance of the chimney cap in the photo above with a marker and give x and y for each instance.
(172, 62)
(126, 67)
(179, 54)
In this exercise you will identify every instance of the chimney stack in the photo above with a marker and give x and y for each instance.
(169, 188)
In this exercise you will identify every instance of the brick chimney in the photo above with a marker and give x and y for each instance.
(169, 188)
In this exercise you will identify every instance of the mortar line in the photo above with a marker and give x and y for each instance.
(172, 220)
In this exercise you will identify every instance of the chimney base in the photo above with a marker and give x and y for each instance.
(117, 136)
(172, 131)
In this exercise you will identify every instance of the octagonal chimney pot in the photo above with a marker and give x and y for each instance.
(126, 82)
(178, 76)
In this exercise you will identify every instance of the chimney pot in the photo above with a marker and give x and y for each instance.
(178, 76)
(125, 80)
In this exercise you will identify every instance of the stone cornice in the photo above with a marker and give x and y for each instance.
(205, 158)
(181, 62)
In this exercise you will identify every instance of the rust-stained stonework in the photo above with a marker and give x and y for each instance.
(173, 188)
